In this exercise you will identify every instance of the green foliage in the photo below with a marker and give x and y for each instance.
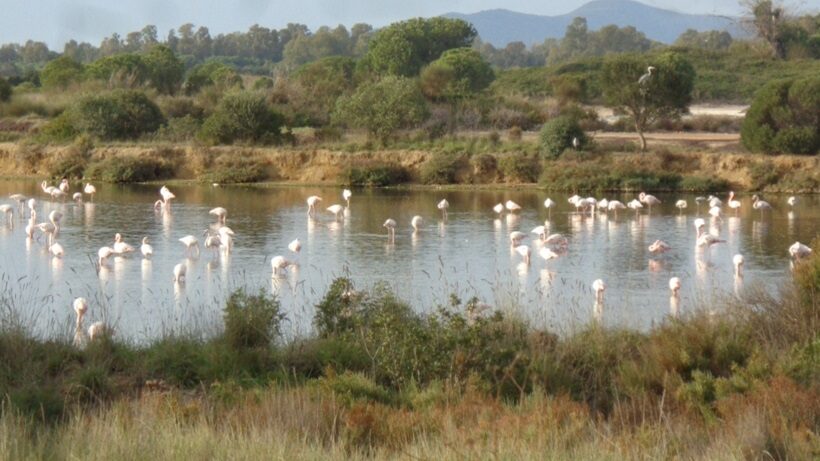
(403, 48)
(458, 74)
(126, 69)
(712, 40)
(165, 72)
(72, 162)
(382, 107)
(244, 117)
(211, 73)
(520, 168)
(121, 114)
(333, 313)
(442, 168)
(5, 90)
(122, 169)
(61, 72)
(322, 82)
(375, 174)
(355, 387)
(703, 184)
(237, 168)
(263, 83)
(557, 134)
(784, 117)
(666, 94)
(252, 321)
(61, 128)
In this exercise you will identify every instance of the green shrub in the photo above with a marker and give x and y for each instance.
(263, 83)
(354, 387)
(783, 118)
(514, 133)
(252, 321)
(558, 133)
(442, 168)
(242, 117)
(376, 174)
(484, 164)
(236, 169)
(127, 169)
(180, 106)
(73, 162)
(61, 72)
(5, 90)
(179, 129)
(121, 114)
(60, 128)
(703, 184)
(520, 168)
(763, 174)
(333, 311)
(181, 361)
(41, 402)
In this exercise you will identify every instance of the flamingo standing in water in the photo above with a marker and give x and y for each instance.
(311, 203)
(443, 205)
(525, 252)
(635, 205)
(791, 200)
(56, 250)
(279, 265)
(21, 201)
(346, 194)
(681, 205)
(556, 240)
(120, 247)
(416, 223)
(220, 213)
(8, 211)
(390, 225)
(733, 204)
(77, 197)
(180, 271)
(516, 237)
(599, 287)
(512, 207)
(64, 186)
(674, 286)
(337, 211)
(547, 253)
(211, 242)
(165, 202)
(549, 204)
(649, 200)
(615, 205)
(799, 250)
(146, 249)
(295, 246)
(540, 231)
(705, 239)
(190, 243)
(80, 308)
(737, 260)
(103, 254)
(90, 190)
(499, 208)
(760, 204)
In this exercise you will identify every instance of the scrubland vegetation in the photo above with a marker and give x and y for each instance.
(739, 380)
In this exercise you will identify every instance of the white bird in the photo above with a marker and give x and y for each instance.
(166, 194)
(576, 143)
(337, 211)
(90, 190)
(791, 200)
(574, 200)
(311, 203)
(279, 264)
(715, 211)
(760, 204)
(524, 251)
(8, 211)
(146, 249)
(648, 200)
(56, 250)
(549, 204)
(416, 223)
(681, 205)
(31, 204)
(64, 186)
(80, 308)
(737, 260)
(714, 201)
(190, 243)
(603, 204)
(511, 206)
(547, 253)
(556, 240)
(226, 235)
(103, 254)
(180, 271)
(615, 205)
(634, 204)
(499, 208)
(644, 79)
(220, 213)
(540, 231)
(120, 247)
(706, 239)
(48, 189)
(659, 246)
(732, 203)
(674, 286)
(47, 228)
(346, 194)
(21, 201)
(98, 330)
(390, 225)
(443, 205)
(295, 246)
(77, 197)
(599, 287)
(211, 242)
(799, 250)
(516, 237)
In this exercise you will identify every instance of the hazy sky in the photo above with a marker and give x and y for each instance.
(55, 21)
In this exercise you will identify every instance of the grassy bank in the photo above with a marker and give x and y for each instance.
(611, 165)
(735, 381)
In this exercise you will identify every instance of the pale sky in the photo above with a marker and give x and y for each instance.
(56, 21)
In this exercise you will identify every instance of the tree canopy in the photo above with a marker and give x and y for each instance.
(784, 118)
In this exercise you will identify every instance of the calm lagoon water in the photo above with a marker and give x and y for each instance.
(468, 254)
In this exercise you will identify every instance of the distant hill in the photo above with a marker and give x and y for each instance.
(501, 27)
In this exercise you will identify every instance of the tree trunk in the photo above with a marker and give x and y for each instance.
(639, 129)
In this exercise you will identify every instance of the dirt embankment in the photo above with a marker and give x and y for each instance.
(320, 165)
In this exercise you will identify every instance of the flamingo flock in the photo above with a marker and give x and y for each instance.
(219, 237)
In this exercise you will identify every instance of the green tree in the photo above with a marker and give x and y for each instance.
(382, 107)
(459, 74)
(403, 48)
(784, 117)
(666, 93)
(768, 19)
(714, 40)
(61, 72)
(5, 90)
(242, 116)
(124, 69)
(323, 82)
(558, 133)
(165, 71)
(211, 73)
(121, 114)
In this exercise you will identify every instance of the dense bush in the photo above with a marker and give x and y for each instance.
(703, 184)
(520, 168)
(442, 168)
(558, 133)
(61, 72)
(5, 90)
(126, 169)
(121, 114)
(242, 117)
(72, 162)
(376, 174)
(236, 168)
(784, 118)
(252, 321)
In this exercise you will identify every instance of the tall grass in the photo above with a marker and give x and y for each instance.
(379, 380)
